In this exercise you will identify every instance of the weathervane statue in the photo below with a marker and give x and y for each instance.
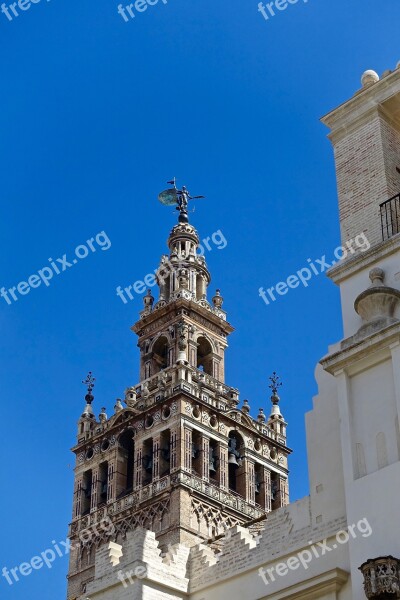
(180, 198)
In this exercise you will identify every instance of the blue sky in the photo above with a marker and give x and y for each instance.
(96, 115)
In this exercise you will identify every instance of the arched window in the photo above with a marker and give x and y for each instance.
(165, 453)
(204, 356)
(87, 491)
(103, 483)
(236, 473)
(160, 355)
(259, 484)
(214, 461)
(200, 287)
(125, 463)
(148, 462)
(275, 491)
(197, 453)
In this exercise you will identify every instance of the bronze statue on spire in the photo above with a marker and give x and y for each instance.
(180, 198)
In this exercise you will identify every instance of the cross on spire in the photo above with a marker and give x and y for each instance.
(89, 382)
(275, 384)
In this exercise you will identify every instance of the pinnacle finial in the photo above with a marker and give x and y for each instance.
(89, 382)
(275, 384)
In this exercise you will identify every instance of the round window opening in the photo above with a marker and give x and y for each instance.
(196, 412)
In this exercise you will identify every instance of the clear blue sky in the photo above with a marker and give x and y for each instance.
(96, 115)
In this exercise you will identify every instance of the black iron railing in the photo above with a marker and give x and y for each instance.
(390, 217)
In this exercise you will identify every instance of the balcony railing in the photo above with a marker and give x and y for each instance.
(390, 217)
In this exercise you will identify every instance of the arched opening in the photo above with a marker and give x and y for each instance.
(160, 355)
(204, 356)
(125, 463)
(200, 287)
(148, 459)
(196, 453)
(214, 473)
(275, 491)
(236, 470)
(103, 483)
(165, 453)
(87, 492)
(259, 484)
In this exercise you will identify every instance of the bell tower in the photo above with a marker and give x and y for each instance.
(181, 459)
(166, 337)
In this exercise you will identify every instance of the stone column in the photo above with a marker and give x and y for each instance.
(174, 450)
(77, 510)
(215, 368)
(95, 489)
(242, 479)
(156, 457)
(111, 492)
(250, 481)
(203, 287)
(138, 465)
(192, 353)
(223, 465)
(187, 449)
(265, 490)
(205, 446)
(284, 491)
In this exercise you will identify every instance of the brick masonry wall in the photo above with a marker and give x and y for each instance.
(366, 161)
(287, 530)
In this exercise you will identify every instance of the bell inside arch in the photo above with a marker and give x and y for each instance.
(232, 459)
(148, 465)
(212, 463)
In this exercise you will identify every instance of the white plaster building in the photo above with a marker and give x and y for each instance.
(312, 548)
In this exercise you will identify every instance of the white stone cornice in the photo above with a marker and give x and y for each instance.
(365, 349)
(365, 100)
(378, 252)
(320, 586)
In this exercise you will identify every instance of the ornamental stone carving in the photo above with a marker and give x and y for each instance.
(381, 578)
(376, 306)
